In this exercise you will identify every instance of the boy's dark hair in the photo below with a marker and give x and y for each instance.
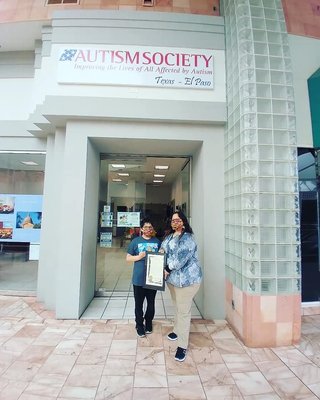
(145, 220)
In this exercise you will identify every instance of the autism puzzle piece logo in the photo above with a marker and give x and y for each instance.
(68, 55)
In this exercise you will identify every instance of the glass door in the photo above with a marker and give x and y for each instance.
(131, 188)
(309, 224)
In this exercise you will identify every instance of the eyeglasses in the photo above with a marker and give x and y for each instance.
(148, 228)
(176, 220)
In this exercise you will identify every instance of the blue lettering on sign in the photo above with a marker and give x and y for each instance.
(68, 55)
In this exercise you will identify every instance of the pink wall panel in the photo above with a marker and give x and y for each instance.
(25, 10)
(302, 17)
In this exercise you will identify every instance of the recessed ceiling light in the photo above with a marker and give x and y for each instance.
(118, 166)
(117, 180)
(123, 174)
(157, 181)
(158, 175)
(29, 163)
(161, 166)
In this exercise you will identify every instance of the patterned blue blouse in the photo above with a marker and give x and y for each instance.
(182, 260)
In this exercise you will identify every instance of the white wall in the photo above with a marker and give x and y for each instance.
(68, 243)
(89, 232)
(118, 119)
(76, 234)
(70, 228)
(52, 221)
(207, 187)
(158, 194)
(207, 220)
(305, 55)
(21, 182)
(176, 191)
(133, 189)
(16, 98)
(71, 28)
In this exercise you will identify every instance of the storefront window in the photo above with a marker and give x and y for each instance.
(309, 223)
(21, 177)
(132, 188)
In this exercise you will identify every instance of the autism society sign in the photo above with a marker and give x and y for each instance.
(140, 66)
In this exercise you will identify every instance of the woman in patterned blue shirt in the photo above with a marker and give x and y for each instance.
(183, 275)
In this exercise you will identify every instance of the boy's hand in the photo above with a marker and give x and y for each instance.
(142, 255)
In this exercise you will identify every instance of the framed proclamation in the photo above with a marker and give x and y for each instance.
(155, 263)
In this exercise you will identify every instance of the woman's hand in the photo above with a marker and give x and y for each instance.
(166, 274)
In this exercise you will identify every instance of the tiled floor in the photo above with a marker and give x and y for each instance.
(44, 359)
(114, 276)
(121, 305)
(114, 279)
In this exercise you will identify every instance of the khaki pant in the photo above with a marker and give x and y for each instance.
(182, 300)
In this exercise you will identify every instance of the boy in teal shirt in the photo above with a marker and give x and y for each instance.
(136, 253)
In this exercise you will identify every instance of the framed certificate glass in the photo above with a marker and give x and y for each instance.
(155, 263)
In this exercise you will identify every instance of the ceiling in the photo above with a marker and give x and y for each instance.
(142, 169)
(144, 155)
(14, 161)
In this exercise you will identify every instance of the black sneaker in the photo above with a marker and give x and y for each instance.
(180, 354)
(140, 331)
(172, 336)
(149, 328)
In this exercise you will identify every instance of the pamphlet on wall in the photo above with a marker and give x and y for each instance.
(106, 219)
(105, 239)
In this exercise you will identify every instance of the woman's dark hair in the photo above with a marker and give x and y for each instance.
(187, 227)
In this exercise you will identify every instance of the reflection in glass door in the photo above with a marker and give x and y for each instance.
(131, 188)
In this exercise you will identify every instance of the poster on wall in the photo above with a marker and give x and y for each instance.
(105, 239)
(20, 217)
(128, 219)
(106, 219)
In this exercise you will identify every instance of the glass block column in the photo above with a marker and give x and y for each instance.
(261, 184)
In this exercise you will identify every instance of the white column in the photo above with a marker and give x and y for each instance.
(76, 234)
(47, 270)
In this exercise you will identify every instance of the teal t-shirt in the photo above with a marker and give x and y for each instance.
(138, 245)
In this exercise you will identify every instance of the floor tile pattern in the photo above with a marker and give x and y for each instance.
(120, 304)
(42, 358)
